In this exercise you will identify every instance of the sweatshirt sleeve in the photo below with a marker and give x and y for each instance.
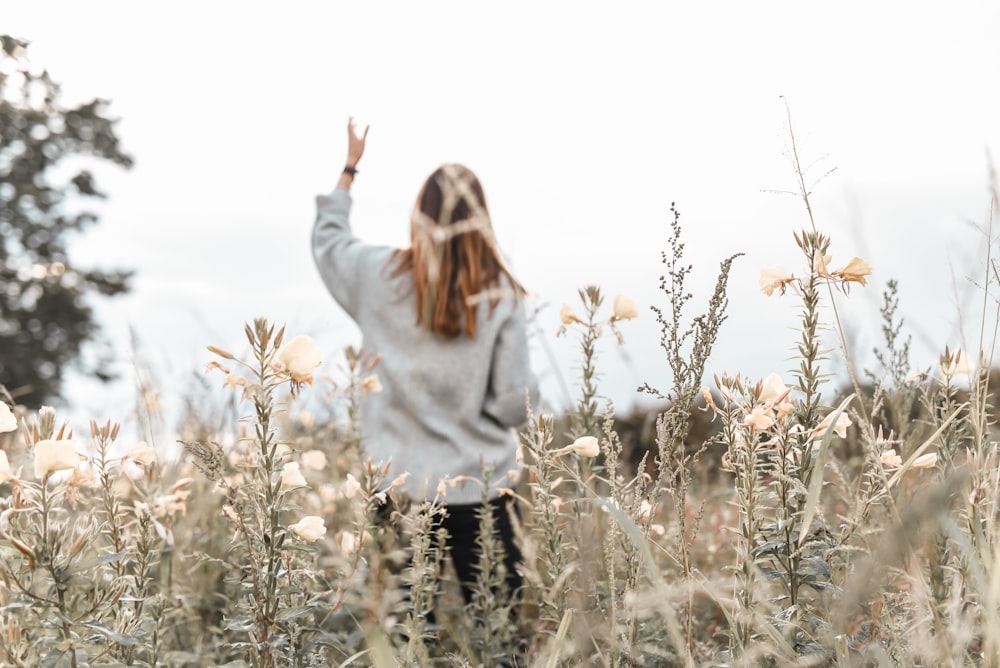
(512, 382)
(336, 250)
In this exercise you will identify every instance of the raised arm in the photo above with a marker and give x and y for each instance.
(355, 149)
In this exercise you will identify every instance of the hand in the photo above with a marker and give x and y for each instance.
(355, 144)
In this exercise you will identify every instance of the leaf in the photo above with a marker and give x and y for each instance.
(106, 631)
(101, 560)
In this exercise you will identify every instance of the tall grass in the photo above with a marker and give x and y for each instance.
(812, 526)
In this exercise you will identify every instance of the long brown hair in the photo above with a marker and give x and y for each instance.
(453, 255)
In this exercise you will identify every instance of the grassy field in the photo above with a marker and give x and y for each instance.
(750, 522)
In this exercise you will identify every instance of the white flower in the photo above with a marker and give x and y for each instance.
(925, 461)
(314, 459)
(8, 421)
(775, 278)
(141, 454)
(625, 308)
(821, 263)
(299, 358)
(585, 446)
(52, 455)
(371, 383)
(5, 475)
(351, 486)
(759, 418)
(348, 541)
(891, 460)
(310, 528)
(840, 428)
(772, 389)
(566, 316)
(855, 271)
(291, 476)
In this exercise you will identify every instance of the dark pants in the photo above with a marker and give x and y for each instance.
(462, 524)
(461, 521)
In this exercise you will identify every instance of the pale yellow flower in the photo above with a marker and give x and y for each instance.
(398, 481)
(821, 263)
(314, 459)
(291, 476)
(5, 475)
(351, 486)
(371, 383)
(141, 454)
(348, 541)
(310, 528)
(855, 271)
(891, 460)
(52, 455)
(759, 418)
(625, 308)
(772, 389)
(840, 428)
(775, 278)
(8, 421)
(585, 446)
(645, 509)
(566, 316)
(299, 358)
(958, 363)
(925, 461)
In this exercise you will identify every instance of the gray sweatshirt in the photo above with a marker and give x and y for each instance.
(446, 404)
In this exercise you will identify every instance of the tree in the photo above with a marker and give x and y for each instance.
(45, 149)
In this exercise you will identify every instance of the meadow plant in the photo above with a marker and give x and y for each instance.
(853, 526)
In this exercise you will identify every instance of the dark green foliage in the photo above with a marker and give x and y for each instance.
(45, 148)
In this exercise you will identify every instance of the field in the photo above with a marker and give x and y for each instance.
(750, 522)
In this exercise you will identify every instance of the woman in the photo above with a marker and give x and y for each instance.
(447, 319)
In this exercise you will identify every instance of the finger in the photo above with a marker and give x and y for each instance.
(365, 135)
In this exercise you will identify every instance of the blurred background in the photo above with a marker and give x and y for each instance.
(584, 121)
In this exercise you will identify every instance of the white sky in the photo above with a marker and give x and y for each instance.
(583, 121)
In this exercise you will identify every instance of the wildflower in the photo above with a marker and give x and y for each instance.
(759, 418)
(566, 316)
(371, 383)
(348, 541)
(442, 488)
(645, 509)
(8, 422)
(54, 455)
(215, 365)
(310, 528)
(141, 454)
(291, 476)
(706, 394)
(171, 504)
(840, 428)
(925, 461)
(821, 263)
(233, 381)
(891, 460)
(314, 459)
(398, 481)
(585, 446)
(775, 278)
(351, 486)
(299, 358)
(625, 308)
(955, 364)
(855, 271)
(5, 475)
(772, 390)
